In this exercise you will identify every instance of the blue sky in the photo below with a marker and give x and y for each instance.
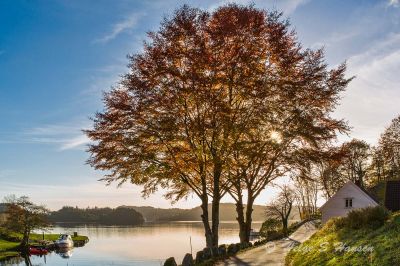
(56, 58)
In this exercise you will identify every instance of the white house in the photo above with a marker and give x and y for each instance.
(349, 197)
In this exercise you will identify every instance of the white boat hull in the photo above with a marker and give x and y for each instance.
(64, 244)
(65, 241)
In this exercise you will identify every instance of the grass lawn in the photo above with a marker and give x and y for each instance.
(7, 245)
(7, 249)
(53, 237)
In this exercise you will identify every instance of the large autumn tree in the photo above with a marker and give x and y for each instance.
(212, 98)
(290, 119)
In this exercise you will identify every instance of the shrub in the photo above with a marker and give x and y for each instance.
(270, 224)
(222, 250)
(188, 260)
(199, 257)
(371, 217)
(207, 253)
(170, 262)
(274, 235)
(295, 225)
(232, 249)
(260, 242)
(244, 245)
(238, 247)
(396, 217)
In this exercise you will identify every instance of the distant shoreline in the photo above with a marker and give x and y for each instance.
(149, 222)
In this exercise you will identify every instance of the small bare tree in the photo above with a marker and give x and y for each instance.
(306, 197)
(281, 207)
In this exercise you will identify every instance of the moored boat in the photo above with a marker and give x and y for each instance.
(64, 241)
(38, 251)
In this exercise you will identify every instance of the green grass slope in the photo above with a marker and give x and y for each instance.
(341, 242)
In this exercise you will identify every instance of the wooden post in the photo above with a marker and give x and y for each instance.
(191, 250)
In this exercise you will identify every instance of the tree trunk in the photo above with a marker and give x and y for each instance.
(215, 220)
(240, 219)
(204, 218)
(249, 213)
(215, 203)
(285, 225)
(24, 246)
(299, 209)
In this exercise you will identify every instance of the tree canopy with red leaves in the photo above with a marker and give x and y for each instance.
(218, 102)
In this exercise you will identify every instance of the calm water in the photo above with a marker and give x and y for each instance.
(146, 245)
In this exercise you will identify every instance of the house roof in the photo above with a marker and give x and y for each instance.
(369, 193)
(386, 193)
(359, 188)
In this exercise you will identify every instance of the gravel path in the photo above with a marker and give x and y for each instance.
(272, 253)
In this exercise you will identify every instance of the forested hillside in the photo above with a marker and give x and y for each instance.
(137, 214)
(227, 213)
(108, 216)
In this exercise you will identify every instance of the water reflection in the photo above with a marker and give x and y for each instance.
(146, 245)
(65, 253)
(13, 261)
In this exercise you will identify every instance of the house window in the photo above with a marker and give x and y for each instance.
(349, 202)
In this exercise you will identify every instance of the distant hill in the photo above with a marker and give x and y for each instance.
(107, 216)
(152, 214)
(227, 213)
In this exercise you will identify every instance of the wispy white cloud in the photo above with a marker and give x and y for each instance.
(66, 137)
(371, 100)
(394, 3)
(122, 26)
(5, 173)
(336, 38)
(387, 45)
(56, 129)
(76, 142)
(287, 6)
(349, 36)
